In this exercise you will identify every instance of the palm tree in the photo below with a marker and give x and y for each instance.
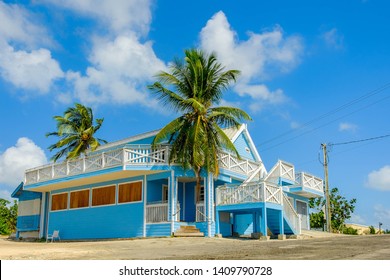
(76, 132)
(193, 88)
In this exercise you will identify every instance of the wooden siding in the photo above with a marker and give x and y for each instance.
(28, 223)
(243, 147)
(203, 227)
(116, 221)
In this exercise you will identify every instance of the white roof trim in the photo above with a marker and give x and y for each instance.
(244, 129)
(127, 140)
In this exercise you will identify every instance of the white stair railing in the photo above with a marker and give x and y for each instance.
(291, 215)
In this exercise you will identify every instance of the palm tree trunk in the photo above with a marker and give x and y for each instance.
(198, 181)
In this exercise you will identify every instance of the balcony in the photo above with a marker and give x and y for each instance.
(127, 157)
(248, 193)
(307, 185)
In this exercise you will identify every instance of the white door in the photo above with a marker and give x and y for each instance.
(302, 211)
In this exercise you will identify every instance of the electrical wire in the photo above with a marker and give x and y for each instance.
(358, 141)
(332, 121)
(332, 112)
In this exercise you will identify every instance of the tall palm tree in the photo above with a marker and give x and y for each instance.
(194, 88)
(76, 131)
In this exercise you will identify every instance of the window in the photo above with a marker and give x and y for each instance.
(200, 194)
(165, 193)
(79, 199)
(59, 201)
(103, 196)
(130, 192)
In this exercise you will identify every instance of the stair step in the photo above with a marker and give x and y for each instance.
(188, 231)
(188, 227)
(188, 234)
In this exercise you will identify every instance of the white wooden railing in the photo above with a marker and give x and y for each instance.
(251, 192)
(158, 212)
(309, 181)
(291, 215)
(200, 212)
(133, 155)
(242, 166)
(283, 170)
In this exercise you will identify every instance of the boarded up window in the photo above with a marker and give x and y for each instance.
(130, 192)
(79, 199)
(59, 201)
(103, 196)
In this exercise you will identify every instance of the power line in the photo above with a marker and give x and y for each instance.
(323, 125)
(357, 141)
(328, 114)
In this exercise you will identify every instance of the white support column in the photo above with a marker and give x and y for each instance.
(42, 215)
(209, 202)
(172, 204)
(145, 195)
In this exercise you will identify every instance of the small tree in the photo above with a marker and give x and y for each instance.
(341, 210)
(372, 230)
(8, 216)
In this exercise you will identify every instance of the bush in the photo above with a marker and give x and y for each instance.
(8, 216)
(372, 229)
(349, 230)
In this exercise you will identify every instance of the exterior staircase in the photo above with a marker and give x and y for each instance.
(188, 231)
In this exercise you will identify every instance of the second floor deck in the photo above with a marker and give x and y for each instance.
(128, 157)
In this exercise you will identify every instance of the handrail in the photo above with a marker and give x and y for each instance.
(133, 155)
(291, 215)
(249, 193)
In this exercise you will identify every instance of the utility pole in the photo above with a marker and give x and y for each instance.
(328, 211)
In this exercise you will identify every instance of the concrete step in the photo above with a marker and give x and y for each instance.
(188, 231)
(188, 234)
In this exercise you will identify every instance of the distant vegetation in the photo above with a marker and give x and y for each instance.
(8, 217)
(341, 210)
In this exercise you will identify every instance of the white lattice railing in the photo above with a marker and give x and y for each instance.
(251, 192)
(283, 170)
(309, 181)
(133, 155)
(242, 166)
(158, 212)
(291, 215)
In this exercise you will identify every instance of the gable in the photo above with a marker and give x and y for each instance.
(243, 147)
(244, 143)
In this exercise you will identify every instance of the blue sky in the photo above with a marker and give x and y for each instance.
(309, 75)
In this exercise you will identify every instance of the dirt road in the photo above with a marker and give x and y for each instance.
(342, 247)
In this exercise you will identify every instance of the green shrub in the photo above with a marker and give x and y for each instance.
(349, 230)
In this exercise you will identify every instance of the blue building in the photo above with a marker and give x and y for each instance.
(127, 189)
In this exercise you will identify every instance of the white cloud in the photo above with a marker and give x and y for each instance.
(6, 194)
(35, 70)
(333, 39)
(121, 64)
(119, 16)
(379, 179)
(25, 66)
(16, 159)
(18, 25)
(118, 72)
(258, 58)
(343, 127)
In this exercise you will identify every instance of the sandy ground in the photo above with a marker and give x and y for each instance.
(340, 247)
